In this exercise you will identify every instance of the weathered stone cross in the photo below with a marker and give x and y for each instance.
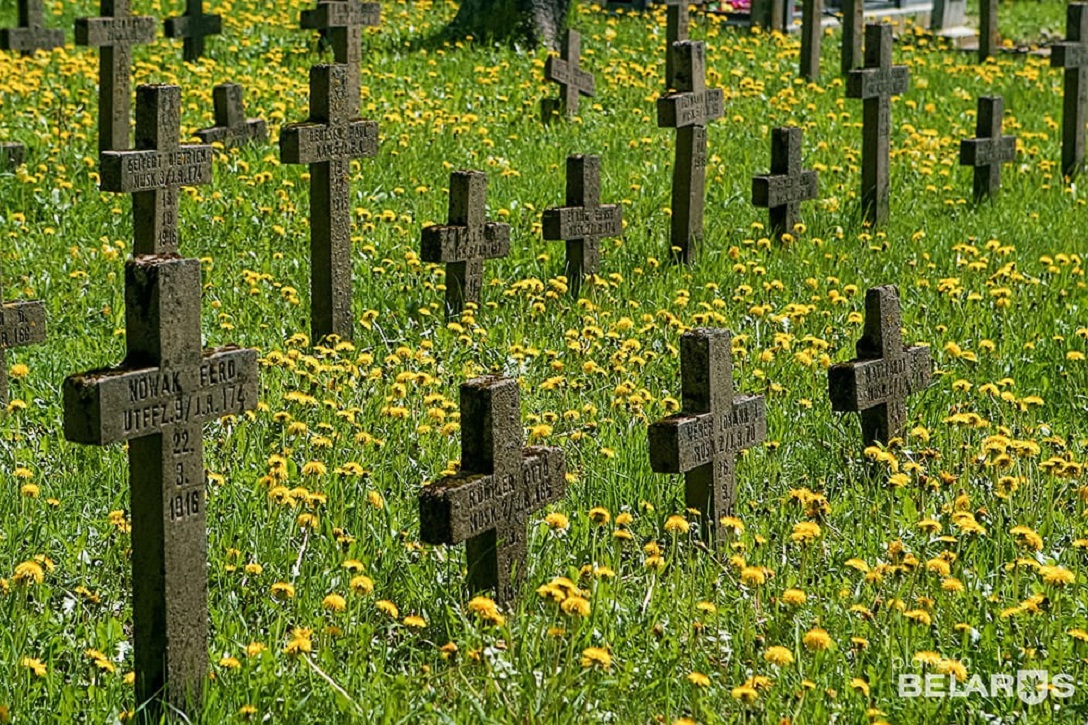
(1072, 55)
(875, 84)
(12, 154)
(689, 110)
(487, 504)
(812, 32)
(702, 441)
(465, 241)
(232, 128)
(988, 37)
(783, 190)
(156, 169)
(583, 221)
(676, 29)
(328, 141)
(853, 19)
(567, 72)
(193, 26)
(115, 33)
(31, 35)
(885, 372)
(342, 22)
(21, 323)
(987, 152)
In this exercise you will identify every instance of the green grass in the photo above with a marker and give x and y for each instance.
(997, 290)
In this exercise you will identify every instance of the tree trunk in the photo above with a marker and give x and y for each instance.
(529, 21)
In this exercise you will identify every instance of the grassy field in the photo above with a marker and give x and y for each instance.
(960, 552)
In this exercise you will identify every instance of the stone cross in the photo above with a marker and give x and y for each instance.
(988, 38)
(788, 184)
(465, 241)
(853, 20)
(702, 441)
(115, 33)
(232, 128)
(12, 155)
(567, 72)
(812, 33)
(689, 110)
(1072, 55)
(328, 141)
(156, 169)
(193, 26)
(31, 35)
(885, 372)
(769, 14)
(876, 84)
(676, 29)
(157, 402)
(342, 22)
(583, 221)
(990, 149)
(487, 504)
(21, 324)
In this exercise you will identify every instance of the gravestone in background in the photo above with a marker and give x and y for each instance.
(232, 128)
(12, 155)
(193, 27)
(788, 184)
(21, 323)
(341, 23)
(1072, 55)
(989, 150)
(567, 72)
(31, 35)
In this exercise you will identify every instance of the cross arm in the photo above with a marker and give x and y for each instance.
(576, 222)
(558, 70)
(340, 15)
(22, 323)
(778, 189)
(28, 39)
(112, 405)
(129, 30)
(878, 82)
(314, 143)
(446, 243)
(986, 151)
(1068, 55)
(128, 172)
(182, 26)
(466, 505)
(684, 441)
(860, 384)
(677, 110)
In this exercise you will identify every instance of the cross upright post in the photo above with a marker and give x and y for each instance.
(465, 241)
(990, 149)
(676, 29)
(703, 440)
(812, 31)
(21, 324)
(232, 128)
(342, 22)
(884, 373)
(583, 221)
(487, 504)
(155, 171)
(1072, 55)
(194, 26)
(567, 72)
(12, 155)
(988, 38)
(788, 184)
(115, 33)
(875, 84)
(31, 35)
(689, 110)
(853, 23)
(327, 142)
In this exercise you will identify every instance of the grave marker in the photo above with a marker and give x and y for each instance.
(157, 401)
(876, 84)
(342, 23)
(853, 20)
(465, 241)
(31, 35)
(885, 372)
(12, 155)
(988, 38)
(812, 33)
(990, 149)
(114, 33)
(676, 29)
(583, 221)
(487, 504)
(21, 324)
(232, 128)
(689, 110)
(702, 441)
(193, 26)
(156, 169)
(1072, 55)
(328, 141)
(566, 70)
(783, 190)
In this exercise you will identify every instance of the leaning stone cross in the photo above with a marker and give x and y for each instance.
(583, 221)
(567, 72)
(488, 503)
(885, 372)
(990, 149)
(788, 184)
(193, 26)
(328, 141)
(703, 440)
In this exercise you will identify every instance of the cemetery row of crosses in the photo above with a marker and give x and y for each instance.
(168, 386)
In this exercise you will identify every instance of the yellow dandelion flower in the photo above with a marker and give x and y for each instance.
(753, 576)
(361, 584)
(557, 521)
(1057, 576)
(334, 603)
(794, 597)
(414, 621)
(283, 590)
(745, 693)
(28, 572)
(387, 607)
(34, 665)
(698, 679)
(677, 525)
(596, 657)
(816, 640)
(778, 656)
(860, 685)
(599, 515)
